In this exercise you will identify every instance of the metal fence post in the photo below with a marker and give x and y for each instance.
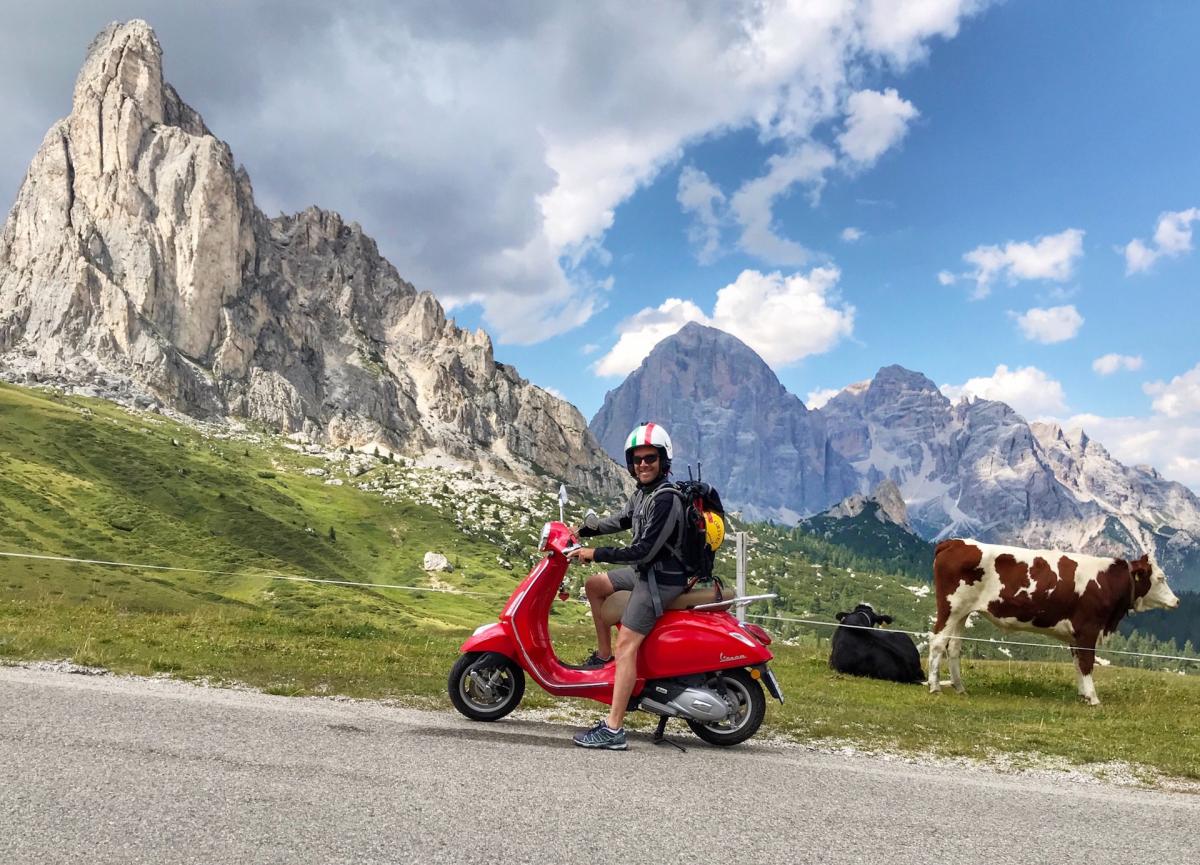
(741, 573)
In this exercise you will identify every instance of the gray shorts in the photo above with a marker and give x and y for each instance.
(639, 613)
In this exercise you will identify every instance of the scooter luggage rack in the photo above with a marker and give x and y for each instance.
(735, 602)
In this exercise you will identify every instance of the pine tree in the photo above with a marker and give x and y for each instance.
(332, 534)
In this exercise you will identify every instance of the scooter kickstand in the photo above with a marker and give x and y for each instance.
(659, 738)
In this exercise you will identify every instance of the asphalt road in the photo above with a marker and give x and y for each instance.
(102, 769)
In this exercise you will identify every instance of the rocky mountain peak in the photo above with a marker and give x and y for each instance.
(123, 64)
(724, 406)
(136, 264)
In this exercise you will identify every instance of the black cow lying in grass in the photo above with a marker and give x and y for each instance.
(862, 649)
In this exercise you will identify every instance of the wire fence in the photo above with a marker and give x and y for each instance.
(273, 575)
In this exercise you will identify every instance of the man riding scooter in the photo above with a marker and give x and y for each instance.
(651, 570)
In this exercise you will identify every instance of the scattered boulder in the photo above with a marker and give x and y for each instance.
(436, 562)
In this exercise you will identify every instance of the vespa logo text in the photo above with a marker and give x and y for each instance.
(725, 657)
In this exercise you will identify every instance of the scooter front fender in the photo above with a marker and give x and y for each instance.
(491, 638)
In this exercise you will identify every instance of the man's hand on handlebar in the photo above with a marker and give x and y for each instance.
(582, 554)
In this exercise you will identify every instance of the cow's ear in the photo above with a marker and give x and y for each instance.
(841, 616)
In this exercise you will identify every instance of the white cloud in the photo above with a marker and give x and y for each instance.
(850, 234)
(1172, 238)
(783, 318)
(644, 330)
(1110, 363)
(1029, 391)
(1048, 326)
(752, 204)
(875, 122)
(1180, 397)
(1049, 257)
(945, 277)
(589, 348)
(488, 152)
(899, 29)
(701, 198)
(818, 398)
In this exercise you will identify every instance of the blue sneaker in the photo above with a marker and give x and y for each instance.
(601, 737)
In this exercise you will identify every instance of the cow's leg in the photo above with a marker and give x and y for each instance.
(937, 645)
(955, 651)
(1085, 659)
(1078, 674)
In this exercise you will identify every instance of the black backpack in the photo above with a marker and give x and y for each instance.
(696, 499)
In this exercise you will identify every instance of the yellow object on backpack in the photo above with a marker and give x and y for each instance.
(714, 530)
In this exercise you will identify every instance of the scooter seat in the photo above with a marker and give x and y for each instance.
(614, 604)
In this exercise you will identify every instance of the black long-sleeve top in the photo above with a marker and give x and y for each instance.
(656, 521)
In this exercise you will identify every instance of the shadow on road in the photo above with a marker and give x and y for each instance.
(494, 733)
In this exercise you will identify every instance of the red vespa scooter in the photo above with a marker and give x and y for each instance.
(699, 663)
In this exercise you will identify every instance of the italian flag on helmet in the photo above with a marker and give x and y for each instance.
(649, 434)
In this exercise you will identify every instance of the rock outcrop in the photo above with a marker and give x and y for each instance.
(135, 261)
(888, 501)
(723, 406)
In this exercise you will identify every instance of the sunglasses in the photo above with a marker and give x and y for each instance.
(648, 459)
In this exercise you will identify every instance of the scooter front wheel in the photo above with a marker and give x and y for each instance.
(747, 705)
(486, 686)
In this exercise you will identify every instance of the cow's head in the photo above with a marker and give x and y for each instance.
(1150, 586)
(864, 614)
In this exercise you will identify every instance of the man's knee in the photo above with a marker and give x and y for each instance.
(598, 586)
(628, 642)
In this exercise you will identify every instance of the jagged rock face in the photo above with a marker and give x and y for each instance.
(977, 468)
(890, 507)
(968, 469)
(135, 256)
(1164, 516)
(723, 405)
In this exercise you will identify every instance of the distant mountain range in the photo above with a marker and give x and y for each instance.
(973, 468)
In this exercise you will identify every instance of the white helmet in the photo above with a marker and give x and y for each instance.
(649, 434)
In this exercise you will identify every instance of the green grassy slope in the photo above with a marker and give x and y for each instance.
(87, 479)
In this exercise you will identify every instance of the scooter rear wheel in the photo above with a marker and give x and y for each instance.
(486, 686)
(749, 708)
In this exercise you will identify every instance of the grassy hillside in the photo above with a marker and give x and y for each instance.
(87, 479)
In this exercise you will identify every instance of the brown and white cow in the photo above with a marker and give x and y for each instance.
(1072, 597)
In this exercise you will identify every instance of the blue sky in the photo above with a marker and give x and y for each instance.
(578, 180)
(1034, 119)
